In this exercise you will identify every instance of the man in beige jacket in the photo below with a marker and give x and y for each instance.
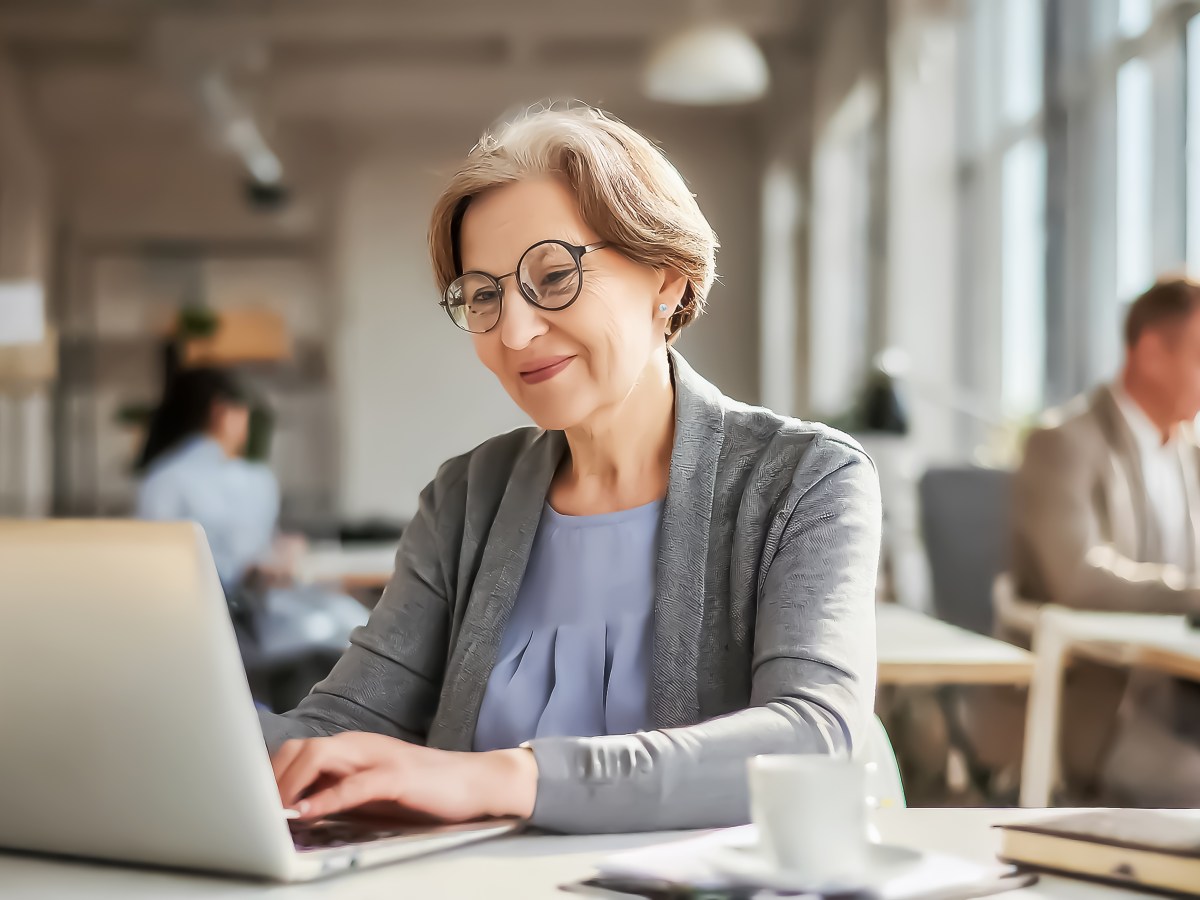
(1107, 517)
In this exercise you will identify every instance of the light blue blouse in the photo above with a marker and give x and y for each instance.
(236, 502)
(574, 660)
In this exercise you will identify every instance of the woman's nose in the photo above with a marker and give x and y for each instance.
(520, 321)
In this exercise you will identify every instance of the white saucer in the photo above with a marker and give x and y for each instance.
(750, 863)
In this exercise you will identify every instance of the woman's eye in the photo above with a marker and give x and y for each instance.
(483, 298)
(553, 279)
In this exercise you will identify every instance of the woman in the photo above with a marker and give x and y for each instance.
(192, 469)
(616, 608)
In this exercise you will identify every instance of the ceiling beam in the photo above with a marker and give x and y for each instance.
(87, 98)
(356, 21)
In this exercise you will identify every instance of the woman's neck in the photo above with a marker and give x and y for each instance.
(226, 446)
(621, 457)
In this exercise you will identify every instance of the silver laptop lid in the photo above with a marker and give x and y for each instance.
(127, 729)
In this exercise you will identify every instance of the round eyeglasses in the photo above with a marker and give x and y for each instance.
(549, 275)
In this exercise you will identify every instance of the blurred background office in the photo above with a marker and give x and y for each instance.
(933, 214)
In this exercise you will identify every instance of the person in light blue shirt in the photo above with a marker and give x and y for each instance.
(192, 469)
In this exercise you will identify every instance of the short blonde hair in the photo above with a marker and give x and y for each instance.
(628, 192)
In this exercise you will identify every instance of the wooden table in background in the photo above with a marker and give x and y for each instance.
(916, 649)
(1134, 640)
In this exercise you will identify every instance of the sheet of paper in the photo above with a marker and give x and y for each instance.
(22, 312)
(686, 861)
(693, 861)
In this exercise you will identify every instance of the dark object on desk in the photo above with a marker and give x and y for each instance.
(879, 408)
(882, 406)
(1193, 620)
(370, 531)
(1153, 850)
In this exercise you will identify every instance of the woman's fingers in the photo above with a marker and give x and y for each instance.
(315, 759)
(347, 793)
(284, 757)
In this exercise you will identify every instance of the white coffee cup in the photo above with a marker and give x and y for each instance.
(811, 814)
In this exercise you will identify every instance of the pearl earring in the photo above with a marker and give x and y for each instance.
(662, 307)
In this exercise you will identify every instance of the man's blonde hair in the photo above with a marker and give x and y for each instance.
(628, 192)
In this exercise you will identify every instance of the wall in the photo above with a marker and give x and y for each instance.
(922, 317)
(922, 299)
(170, 182)
(847, 249)
(154, 218)
(410, 391)
(25, 238)
(784, 229)
(896, 63)
(25, 193)
(850, 50)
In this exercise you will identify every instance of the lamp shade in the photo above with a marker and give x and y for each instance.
(709, 64)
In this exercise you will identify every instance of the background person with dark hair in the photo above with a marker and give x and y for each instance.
(1106, 514)
(192, 469)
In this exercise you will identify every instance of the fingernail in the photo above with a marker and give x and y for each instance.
(302, 807)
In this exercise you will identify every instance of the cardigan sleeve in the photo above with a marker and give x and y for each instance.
(389, 680)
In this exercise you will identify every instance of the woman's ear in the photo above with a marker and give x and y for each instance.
(672, 285)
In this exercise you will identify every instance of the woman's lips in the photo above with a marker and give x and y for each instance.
(545, 369)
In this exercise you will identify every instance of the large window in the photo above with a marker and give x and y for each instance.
(1193, 145)
(1003, 173)
(1022, 37)
(1125, 103)
(1080, 184)
(1135, 178)
(841, 263)
(1023, 278)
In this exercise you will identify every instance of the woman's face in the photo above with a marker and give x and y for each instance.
(230, 426)
(562, 367)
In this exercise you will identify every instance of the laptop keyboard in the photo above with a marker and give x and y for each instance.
(326, 833)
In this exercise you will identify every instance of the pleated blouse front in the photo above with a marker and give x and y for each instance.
(575, 656)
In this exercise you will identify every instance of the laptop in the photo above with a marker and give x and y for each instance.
(129, 732)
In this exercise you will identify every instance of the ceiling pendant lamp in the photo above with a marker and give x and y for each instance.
(707, 64)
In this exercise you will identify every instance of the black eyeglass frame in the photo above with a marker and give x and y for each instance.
(577, 251)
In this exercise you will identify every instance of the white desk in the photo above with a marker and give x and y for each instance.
(349, 567)
(521, 867)
(918, 649)
(1163, 643)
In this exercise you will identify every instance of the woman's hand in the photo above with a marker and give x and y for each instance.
(321, 776)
